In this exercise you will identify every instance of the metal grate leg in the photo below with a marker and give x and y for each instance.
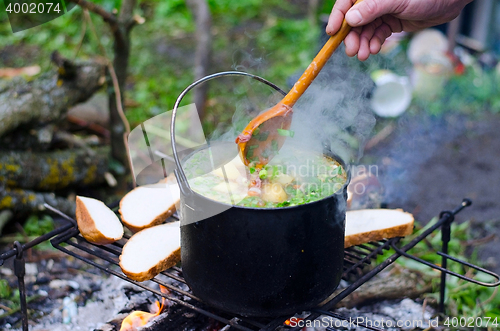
(445, 239)
(19, 271)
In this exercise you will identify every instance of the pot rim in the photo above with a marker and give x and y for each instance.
(339, 191)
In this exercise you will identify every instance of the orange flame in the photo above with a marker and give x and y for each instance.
(140, 318)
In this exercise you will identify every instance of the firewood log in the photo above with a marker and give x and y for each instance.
(46, 99)
(403, 284)
(26, 201)
(37, 138)
(56, 170)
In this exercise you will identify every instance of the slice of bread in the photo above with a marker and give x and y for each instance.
(149, 205)
(151, 251)
(96, 222)
(365, 225)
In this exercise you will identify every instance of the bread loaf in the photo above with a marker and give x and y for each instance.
(149, 205)
(97, 223)
(151, 251)
(367, 225)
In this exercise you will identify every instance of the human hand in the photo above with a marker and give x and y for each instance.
(373, 21)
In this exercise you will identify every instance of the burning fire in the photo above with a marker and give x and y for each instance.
(138, 318)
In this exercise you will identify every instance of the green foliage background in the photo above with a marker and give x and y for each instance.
(462, 298)
(275, 34)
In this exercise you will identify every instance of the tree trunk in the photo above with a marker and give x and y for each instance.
(120, 64)
(203, 18)
(47, 98)
(312, 11)
(53, 170)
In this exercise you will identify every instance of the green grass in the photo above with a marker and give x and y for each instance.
(476, 91)
(38, 226)
(270, 38)
(462, 298)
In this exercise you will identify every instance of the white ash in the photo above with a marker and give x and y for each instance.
(103, 306)
(117, 298)
(59, 283)
(31, 269)
(49, 265)
(6, 272)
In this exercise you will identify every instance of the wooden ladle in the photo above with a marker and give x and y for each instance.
(265, 134)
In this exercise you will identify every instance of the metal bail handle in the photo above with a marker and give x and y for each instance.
(181, 176)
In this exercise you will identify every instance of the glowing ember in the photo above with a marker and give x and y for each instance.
(137, 318)
(295, 320)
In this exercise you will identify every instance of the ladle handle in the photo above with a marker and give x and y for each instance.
(317, 64)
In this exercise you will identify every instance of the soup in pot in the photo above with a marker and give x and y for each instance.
(293, 177)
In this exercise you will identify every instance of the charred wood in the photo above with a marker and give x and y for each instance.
(395, 286)
(176, 318)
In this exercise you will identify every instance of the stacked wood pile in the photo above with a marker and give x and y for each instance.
(42, 155)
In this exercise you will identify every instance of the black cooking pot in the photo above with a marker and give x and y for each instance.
(256, 261)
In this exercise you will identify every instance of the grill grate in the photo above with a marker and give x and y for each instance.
(356, 259)
(107, 259)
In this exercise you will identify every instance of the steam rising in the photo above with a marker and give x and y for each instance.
(333, 111)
